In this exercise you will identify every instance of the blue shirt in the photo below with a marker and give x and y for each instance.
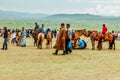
(41, 29)
(23, 33)
(47, 31)
(81, 43)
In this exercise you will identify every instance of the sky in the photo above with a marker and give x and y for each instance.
(96, 7)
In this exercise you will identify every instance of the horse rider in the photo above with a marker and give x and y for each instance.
(104, 29)
(36, 26)
(42, 28)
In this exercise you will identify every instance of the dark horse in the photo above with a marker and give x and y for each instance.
(35, 36)
(99, 36)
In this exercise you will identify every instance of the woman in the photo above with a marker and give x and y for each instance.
(23, 35)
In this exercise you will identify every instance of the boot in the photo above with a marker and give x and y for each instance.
(70, 50)
(56, 52)
(6, 47)
(64, 53)
(3, 47)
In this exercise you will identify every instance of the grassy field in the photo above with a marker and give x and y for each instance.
(89, 24)
(29, 63)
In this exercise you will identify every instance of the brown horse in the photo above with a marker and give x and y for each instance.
(40, 40)
(48, 40)
(111, 38)
(78, 33)
(98, 36)
(35, 36)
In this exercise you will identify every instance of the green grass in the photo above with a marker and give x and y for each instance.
(90, 24)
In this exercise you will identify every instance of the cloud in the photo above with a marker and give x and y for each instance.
(97, 7)
(98, 10)
(96, 1)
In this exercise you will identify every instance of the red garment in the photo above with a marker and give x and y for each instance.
(104, 29)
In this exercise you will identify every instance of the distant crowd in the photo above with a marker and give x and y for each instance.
(63, 42)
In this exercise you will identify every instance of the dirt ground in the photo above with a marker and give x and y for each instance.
(30, 63)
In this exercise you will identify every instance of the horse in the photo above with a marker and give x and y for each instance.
(48, 40)
(96, 36)
(77, 34)
(111, 38)
(40, 40)
(99, 36)
(35, 36)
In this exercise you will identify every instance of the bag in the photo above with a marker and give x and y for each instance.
(85, 43)
(69, 45)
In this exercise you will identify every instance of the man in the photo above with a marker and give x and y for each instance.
(68, 38)
(5, 46)
(81, 44)
(36, 26)
(60, 42)
(104, 29)
(46, 32)
(42, 28)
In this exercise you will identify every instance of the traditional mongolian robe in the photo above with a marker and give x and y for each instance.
(60, 42)
(23, 40)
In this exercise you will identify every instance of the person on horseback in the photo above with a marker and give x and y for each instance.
(42, 28)
(46, 32)
(36, 26)
(104, 29)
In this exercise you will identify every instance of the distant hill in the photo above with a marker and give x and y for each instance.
(73, 16)
(19, 15)
(12, 14)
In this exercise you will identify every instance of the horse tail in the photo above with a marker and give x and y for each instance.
(113, 41)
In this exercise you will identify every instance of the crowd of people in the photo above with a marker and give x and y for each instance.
(64, 37)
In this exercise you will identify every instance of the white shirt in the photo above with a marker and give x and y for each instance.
(14, 35)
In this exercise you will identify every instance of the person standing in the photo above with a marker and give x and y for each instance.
(68, 38)
(60, 42)
(5, 45)
(23, 40)
(13, 37)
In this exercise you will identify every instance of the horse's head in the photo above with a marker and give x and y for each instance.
(89, 33)
(85, 33)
